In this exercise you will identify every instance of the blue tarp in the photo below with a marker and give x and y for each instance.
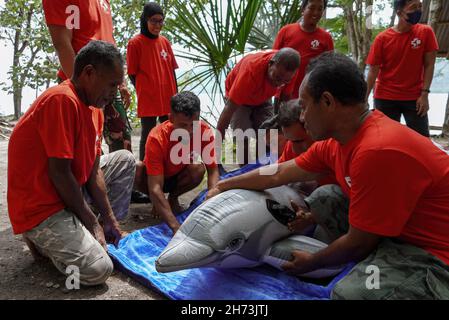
(138, 252)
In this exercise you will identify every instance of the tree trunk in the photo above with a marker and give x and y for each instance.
(435, 13)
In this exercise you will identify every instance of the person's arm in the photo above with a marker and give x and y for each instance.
(213, 176)
(62, 41)
(422, 105)
(96, 187)
(60, 173)
(283, 174)
(354, 246)
(132, 78)
(226, 116)
(371, 80)
(176, 81)
(160, 203)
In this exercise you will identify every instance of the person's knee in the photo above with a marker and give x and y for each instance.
(328, 195)
(96, 273)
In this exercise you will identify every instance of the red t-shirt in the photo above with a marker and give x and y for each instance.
(57, 125)
(95, 21)
(288, 153)
(397, 182)
(308, 44)
(159, 146)
(401, 60)
(152, 62)
(247, 84)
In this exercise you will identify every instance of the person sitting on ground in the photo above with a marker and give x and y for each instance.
(171, 163)
(251, 85)
(391, 208)
(54, 156)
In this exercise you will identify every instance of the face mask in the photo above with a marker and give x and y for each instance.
(414, 17)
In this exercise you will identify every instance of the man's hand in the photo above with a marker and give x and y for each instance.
(422, 105)
(97, 231)
(301, 263)
(126, 96)
(112, 232)
(302, 221)
(213, 192)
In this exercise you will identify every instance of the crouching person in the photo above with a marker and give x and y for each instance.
(171, 163)
(54, 163)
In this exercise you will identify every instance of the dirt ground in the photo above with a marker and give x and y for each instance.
(23, 278)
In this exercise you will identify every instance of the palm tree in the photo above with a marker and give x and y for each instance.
(213, 33)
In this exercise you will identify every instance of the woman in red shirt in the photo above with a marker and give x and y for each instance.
(151, 68)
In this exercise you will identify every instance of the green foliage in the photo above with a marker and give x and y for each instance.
(22, 25)
(273, 15)
(212, 34)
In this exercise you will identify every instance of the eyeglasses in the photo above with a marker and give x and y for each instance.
(155, 22)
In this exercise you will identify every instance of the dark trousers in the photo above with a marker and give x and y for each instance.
(147, 124)
(394, 110)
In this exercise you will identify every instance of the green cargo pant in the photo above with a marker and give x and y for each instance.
(395, 270)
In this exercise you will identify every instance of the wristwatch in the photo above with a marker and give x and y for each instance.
(425, 90)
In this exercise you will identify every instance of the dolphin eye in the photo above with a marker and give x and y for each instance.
(235, 244)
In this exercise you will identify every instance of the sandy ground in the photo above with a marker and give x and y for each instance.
(23, 278)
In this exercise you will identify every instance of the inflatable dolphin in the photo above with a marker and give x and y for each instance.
(232, 230)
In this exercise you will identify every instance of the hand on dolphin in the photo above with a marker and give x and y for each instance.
(213, 192)
(302, 262)
(303, 218)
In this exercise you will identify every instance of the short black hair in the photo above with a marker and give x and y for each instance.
(185, 102)
(288, 58)
(98, 54)
(306, 2)
(149, 9)
(270, 123)
(339, 75)
(400, 4)
(289, 113)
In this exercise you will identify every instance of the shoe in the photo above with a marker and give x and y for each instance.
(139, 197)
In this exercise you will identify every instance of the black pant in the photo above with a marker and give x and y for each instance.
(147, 124)
(394, 110)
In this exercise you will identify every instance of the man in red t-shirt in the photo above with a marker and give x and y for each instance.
(251, 85)
(172, 158)
(402, 59)
(391, 213)
(54, 156)
(72, 25)
(305, 37)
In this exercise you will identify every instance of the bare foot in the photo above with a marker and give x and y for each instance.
(37, 255)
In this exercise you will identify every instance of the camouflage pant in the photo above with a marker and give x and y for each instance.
(395, 270)
(64, 239)
(119, 169)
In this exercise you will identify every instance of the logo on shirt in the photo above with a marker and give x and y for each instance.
(164, 54)
(348, 181)
(416, 43)
(315, 44)
(104, 5)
